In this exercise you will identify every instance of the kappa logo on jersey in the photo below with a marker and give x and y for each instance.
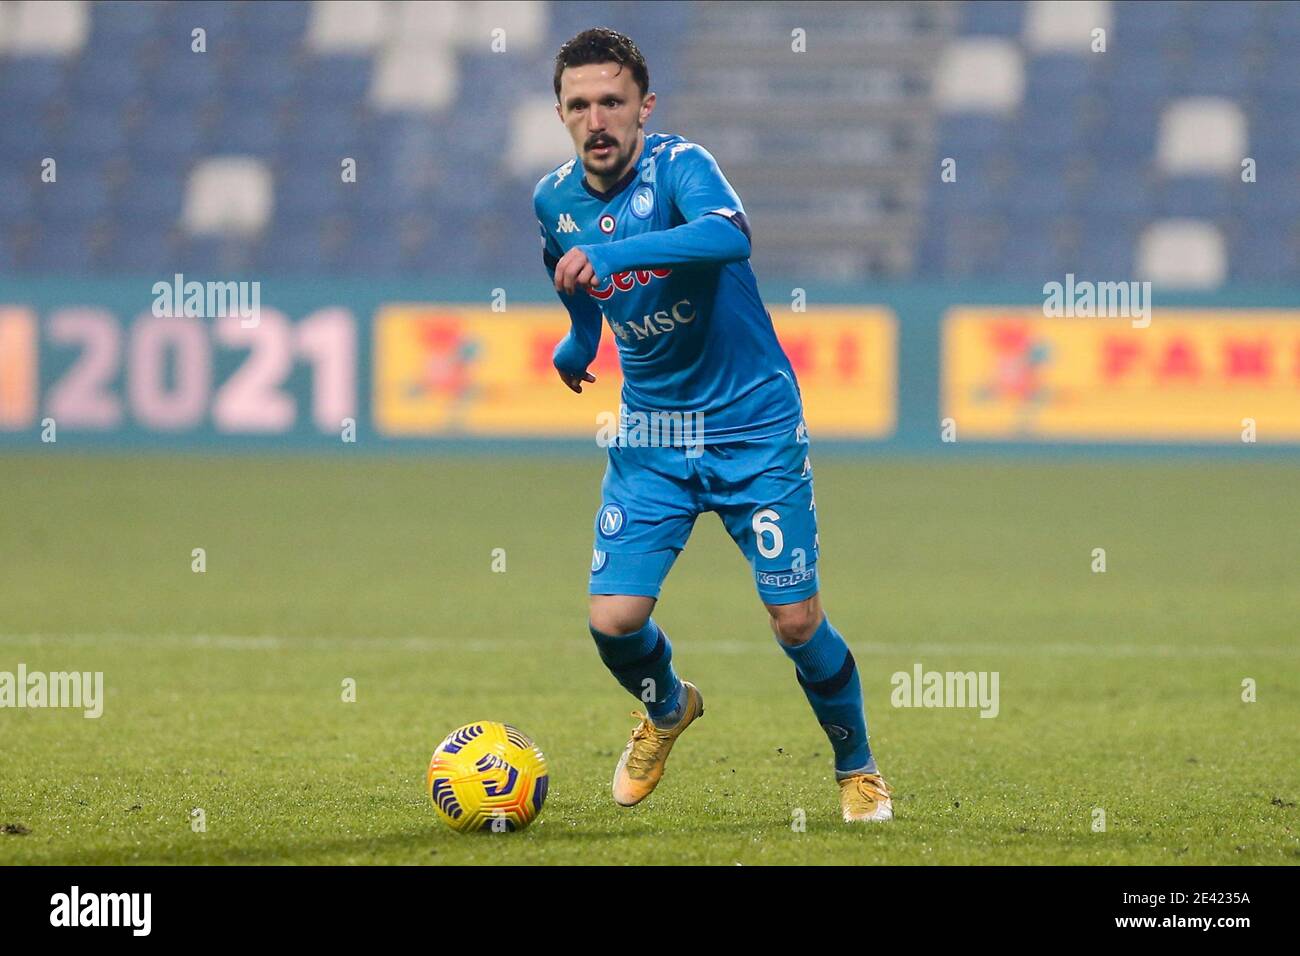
(678, 150)
(643, 202)
(626, 281)
(562, 173)
(612, 521)
(566, 224)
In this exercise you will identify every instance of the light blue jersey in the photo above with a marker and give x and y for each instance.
(670, 247)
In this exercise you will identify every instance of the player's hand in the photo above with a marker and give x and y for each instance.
(572, 271)
(575, 381)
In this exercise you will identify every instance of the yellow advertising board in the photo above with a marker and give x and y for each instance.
(443, 370)
(1190, 375)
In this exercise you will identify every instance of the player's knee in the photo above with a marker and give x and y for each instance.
(795, 624)
(618, 618)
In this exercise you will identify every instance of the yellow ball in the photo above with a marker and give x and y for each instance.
(487, 776)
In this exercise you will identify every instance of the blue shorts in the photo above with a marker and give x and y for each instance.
(761, 489)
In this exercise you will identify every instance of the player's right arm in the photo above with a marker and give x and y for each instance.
(577, 350)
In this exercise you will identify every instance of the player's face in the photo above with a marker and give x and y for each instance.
(603, 109)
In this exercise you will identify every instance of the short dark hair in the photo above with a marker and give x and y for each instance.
(602, 45)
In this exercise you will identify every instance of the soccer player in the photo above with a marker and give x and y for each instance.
(641, 230)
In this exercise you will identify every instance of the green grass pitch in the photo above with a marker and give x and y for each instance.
(1120, 690)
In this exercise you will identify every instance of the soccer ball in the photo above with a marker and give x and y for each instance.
(487, 776)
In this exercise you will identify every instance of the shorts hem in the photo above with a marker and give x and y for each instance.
(788, 597)
(630, 590)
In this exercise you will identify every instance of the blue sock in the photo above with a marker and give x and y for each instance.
(829, 677)
(644, 655)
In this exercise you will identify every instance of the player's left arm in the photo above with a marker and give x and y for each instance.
(715, 231)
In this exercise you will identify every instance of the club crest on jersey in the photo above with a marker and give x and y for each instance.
(598, 560)
(607, 224)
(566, 224)
(611, 521)
(643, 202)
(625, 282)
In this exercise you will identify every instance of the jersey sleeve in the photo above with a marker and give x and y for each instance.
(715, 230)
(576, 350)
(698, 187)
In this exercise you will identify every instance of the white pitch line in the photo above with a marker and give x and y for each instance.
(230, 642)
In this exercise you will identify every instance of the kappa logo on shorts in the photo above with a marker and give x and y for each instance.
(784, 579)
(598, 560)
(611, 521)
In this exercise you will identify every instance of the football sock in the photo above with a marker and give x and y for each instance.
(828, 675)
(643, 663)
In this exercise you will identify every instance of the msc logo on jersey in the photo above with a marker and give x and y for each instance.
(566, 224)
(598, 560)
(665, 320)
(611, 521)
(643, 202)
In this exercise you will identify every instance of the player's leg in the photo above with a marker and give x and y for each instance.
(644, 521)
(828, 674)
(765, 499)
(635, 648)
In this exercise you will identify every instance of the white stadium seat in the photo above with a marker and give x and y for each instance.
(538, 140)
(980, 75)
(524, 25)
(413, 77)
(1065, 26)
(49, 27)
(228, 196)
(434, 23)
(1201, 134)
(1182, 254)
(348, 26)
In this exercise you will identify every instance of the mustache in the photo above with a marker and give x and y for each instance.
(601, 141)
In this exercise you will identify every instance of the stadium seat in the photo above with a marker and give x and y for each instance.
(1051, 26)
(1201, 135)
(17, 192)
(409, 77)
(150, 200)
(228, 196)
(34, 81)
(47, 27)
(1002, 18)
(537, 141)
(1182, 254)
(347, 26)
(524, 24)
(982, 74)
(1193, 197)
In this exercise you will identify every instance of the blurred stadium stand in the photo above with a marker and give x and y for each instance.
(1116, 164)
